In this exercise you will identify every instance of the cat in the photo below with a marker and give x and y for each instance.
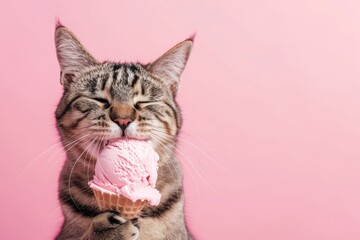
(95, 96)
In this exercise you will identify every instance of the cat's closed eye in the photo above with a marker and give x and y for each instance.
(141, 103)
(103, 101)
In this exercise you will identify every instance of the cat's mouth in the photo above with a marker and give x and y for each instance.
(107, 142)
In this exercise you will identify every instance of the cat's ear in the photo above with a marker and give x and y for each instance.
(171, 64)
(72, 56)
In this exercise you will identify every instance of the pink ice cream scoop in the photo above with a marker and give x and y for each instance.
(129, 168)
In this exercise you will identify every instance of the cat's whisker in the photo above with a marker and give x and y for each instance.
(32, 161)
(97, 151)
(61, 152)
(58, 144)
(181, 131)
(93, 149)
(69, 145)
(159, 139)
(166, 160)
(186, 158)
(172, 166)
(85, 162)
(88, 161)
(179, 147)
(192, 176)
(192, 159)
(200, 150)
(72, 169)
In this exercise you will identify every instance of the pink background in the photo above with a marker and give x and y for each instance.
(270, 98)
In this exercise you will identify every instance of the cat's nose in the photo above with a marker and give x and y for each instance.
(122, 114)
(123, 122)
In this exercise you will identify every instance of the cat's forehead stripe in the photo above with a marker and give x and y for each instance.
(104, 80)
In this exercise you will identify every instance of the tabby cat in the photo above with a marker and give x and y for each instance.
(106, 100)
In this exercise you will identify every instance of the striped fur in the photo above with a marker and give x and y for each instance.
(96, 93)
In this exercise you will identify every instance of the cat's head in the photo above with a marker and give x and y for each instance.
(107, 100)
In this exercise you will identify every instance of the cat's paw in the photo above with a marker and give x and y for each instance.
(107, 220)
(109, 225)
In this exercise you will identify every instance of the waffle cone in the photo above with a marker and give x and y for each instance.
(127, 208)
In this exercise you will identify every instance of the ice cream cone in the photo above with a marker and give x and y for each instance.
(127, 208)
